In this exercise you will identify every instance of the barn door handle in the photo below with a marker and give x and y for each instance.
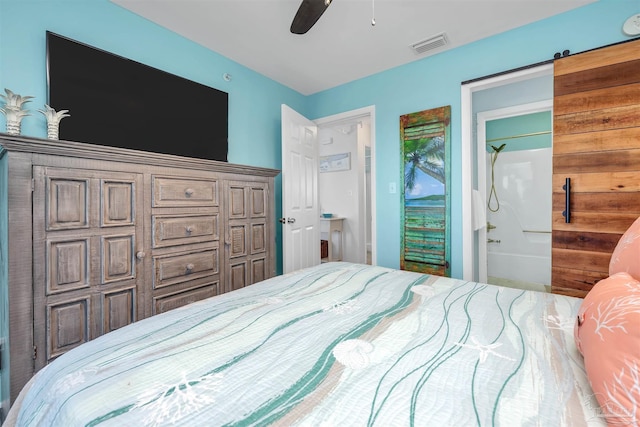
(567, 200)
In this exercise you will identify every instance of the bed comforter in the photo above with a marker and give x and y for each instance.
(335, 345)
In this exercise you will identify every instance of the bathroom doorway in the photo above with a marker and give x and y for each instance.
(515, 163)
(346, 186)
(504, 90)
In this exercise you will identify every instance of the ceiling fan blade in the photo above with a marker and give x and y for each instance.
(308, 14)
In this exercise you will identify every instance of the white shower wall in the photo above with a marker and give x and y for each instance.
(521, 247)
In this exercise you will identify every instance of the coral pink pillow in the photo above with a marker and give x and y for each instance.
(607, 333)
(626, 255)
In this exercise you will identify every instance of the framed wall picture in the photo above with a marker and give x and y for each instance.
(335, 162)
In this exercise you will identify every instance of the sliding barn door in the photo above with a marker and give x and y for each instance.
(596, 162)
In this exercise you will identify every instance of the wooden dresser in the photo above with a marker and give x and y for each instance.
(100, 237)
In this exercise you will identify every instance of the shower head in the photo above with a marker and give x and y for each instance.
(498, 149)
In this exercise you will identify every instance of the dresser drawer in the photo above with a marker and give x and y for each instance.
(173, 300)
(170, 192)
(181, 267)
(173, 230)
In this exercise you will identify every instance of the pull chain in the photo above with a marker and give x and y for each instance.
(373, 13)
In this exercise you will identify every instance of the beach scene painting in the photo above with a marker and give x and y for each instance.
(425, 144)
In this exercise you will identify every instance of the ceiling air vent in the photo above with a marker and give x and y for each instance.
(429, 44)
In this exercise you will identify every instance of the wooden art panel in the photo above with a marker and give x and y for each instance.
(425, 141)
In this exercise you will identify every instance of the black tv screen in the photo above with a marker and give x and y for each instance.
(119, 102)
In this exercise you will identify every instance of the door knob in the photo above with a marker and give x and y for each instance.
(291, 220)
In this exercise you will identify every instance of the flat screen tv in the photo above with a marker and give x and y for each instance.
(119, 102)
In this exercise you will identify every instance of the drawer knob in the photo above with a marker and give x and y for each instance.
(189, 229)
(189, 192)
(190, 267)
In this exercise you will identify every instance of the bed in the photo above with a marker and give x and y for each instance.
(338, 344)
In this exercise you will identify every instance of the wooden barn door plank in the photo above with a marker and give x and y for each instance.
(597, 146)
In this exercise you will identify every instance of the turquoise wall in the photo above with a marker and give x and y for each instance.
(526, 132)
(435, 81)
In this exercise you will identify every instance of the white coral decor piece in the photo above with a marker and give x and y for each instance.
(53, 120)
(13, 110)
(13, 100)
(14, 119)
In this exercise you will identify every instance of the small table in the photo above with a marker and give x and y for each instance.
(333, 225)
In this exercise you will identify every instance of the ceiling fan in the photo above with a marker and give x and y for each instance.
(308, 14)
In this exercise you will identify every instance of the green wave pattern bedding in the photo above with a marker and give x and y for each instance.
(335, 345)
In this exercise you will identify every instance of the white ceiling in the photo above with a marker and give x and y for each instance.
(343, 45)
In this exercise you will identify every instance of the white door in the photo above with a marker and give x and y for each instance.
(300, 210)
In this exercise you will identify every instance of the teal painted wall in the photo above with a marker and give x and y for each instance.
(435, 81)
(526, 132)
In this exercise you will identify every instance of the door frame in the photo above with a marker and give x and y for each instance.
(468, 148)
(370, 112)
(481, 162)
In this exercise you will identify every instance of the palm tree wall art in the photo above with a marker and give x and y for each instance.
(425, 144)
